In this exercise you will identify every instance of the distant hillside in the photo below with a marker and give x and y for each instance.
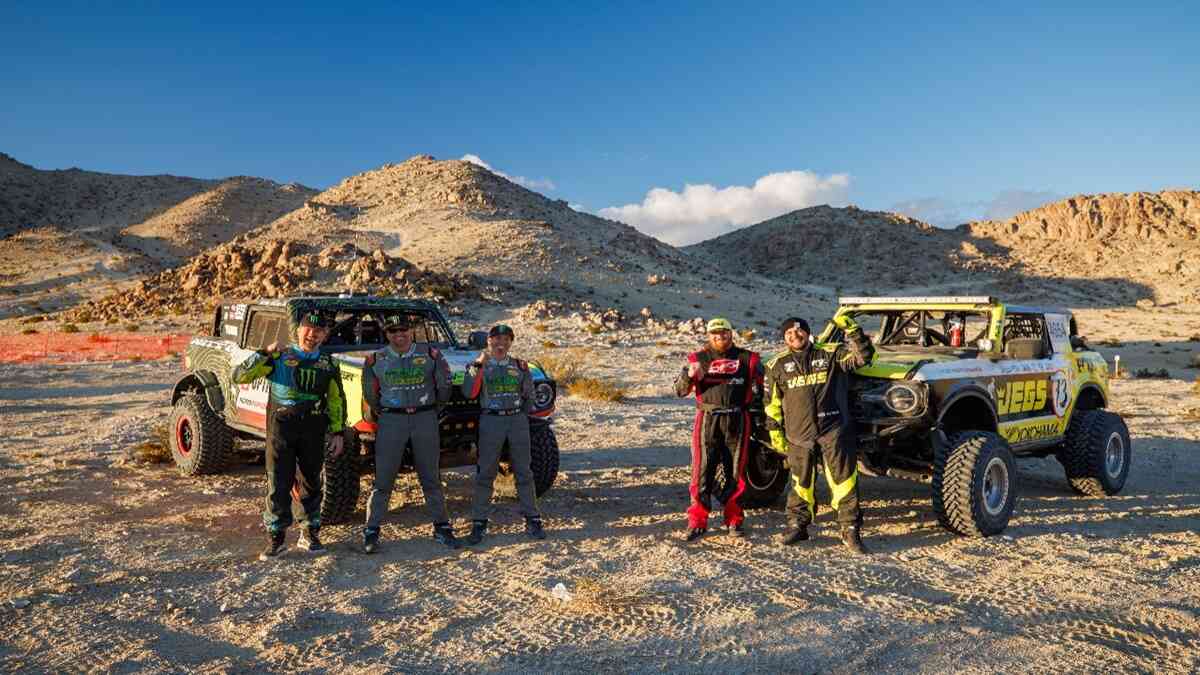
(213, 217)
(72, 199)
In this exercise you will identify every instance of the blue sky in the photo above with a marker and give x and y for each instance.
(945, 110)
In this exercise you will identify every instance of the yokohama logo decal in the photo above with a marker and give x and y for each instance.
(723, 367)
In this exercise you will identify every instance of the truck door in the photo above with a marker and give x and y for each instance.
(263, 328)
(1026, 387)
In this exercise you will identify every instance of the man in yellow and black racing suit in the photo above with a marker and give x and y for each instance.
(807, 407)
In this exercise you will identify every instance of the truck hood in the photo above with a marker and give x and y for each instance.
(456, 358)
(894, 365)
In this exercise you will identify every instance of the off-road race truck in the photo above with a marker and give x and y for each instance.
(210, 411)
(959, 387)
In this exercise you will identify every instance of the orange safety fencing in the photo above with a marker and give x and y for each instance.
(81, 347)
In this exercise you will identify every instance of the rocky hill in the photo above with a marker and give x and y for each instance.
(443, 229)
(1149, 238)
(1103, 250)
(853, 249)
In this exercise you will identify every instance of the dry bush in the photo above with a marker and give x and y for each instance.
(69, 328)
(1147, 373)
(596, 596)
(156, 450)
(594, 329)
(564, 367)
(541, 327)
(132, 327)
(28, 331)
(593, 389)
(549, 344)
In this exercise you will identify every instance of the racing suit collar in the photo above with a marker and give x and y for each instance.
(307, 356)
(411, 348)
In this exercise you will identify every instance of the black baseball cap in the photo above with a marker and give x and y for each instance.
(318, 319)
(794, 321)
(397, 322)
(502, 329)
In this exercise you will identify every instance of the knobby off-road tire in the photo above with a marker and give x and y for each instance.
(1097, 453)
(543, 457)
(200, 441)
(766, 476)
(340, 483)
(974, 484)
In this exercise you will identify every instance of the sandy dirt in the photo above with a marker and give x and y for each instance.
(113, 565)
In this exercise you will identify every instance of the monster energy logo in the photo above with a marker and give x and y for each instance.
(306, 378)
(503, 385)
(404, 376)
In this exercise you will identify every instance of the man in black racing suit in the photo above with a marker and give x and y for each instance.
(808, 411)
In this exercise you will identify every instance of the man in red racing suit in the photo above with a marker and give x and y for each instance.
(724, 378)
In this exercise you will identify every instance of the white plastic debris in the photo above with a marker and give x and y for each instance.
(560, 592)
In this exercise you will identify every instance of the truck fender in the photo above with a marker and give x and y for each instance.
(978, 400)
(203, 381)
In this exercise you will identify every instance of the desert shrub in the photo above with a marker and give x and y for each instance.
(549, 344)
(132, 327)
(564, 367)
(596, 390)
(69, 328)
(156, 449)
(1147, 373)
(594, 328)
(541, 327)
(28, 331)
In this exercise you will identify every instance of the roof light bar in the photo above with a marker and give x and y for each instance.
(921, 300)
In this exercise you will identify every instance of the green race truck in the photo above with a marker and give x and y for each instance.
(210, 411)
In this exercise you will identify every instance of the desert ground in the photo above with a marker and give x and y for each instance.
(112, 564)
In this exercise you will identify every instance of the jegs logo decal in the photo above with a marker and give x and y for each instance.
(1020, 396)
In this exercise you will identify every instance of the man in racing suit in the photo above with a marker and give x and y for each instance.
(402, 386)
(724, 378)
(807, 407)
(504, 387)
(305, 402)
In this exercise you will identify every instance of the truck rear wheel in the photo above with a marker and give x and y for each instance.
(1097, 453)
(340, 483)
(766, 476)
(200, 441)
(543, 457)
(974, 489)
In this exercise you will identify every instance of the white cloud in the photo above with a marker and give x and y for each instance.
(531, 183)
(701, 212)
(945, 212)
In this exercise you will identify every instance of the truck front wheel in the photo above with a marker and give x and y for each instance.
(974, 487)
(200, 441)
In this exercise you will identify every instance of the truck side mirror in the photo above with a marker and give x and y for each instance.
(477, 339)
